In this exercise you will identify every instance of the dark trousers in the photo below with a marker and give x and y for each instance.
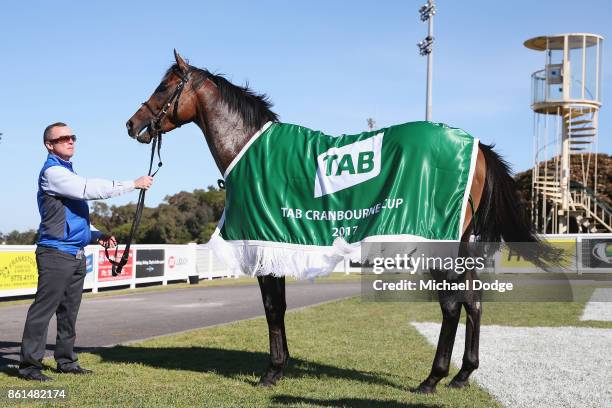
(60, 287)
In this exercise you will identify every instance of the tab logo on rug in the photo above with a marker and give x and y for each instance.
(343, 167)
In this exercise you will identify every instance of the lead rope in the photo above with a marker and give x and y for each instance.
(118, 266)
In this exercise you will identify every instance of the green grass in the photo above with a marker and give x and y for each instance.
(345, 353)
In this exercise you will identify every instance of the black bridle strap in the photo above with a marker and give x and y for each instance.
(179, 90)
(175, 97)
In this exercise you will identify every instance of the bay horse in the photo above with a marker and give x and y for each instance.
(230, 115)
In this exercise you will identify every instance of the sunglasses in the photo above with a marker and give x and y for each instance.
(63, 139)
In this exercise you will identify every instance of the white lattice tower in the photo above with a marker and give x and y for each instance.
(566, 99)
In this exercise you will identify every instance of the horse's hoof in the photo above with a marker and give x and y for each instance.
(425, 389)
(458, 384)
(265, 383)
(270, 378)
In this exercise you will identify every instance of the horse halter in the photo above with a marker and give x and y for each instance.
(156, 134)
(155, 123)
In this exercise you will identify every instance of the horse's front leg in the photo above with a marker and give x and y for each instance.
(273, 296)
(451, 312)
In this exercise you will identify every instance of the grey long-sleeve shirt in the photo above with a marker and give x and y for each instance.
(60, 181)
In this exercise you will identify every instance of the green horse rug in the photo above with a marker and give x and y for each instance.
(299, 201)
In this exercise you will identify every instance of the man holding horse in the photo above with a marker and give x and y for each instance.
(62, 236)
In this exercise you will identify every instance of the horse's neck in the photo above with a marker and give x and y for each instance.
(224, 129)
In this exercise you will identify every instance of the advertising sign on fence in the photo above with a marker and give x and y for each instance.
(90, 266)
(105, 267)
(180, 262)
(150, 263)
(596, 253)
(18, 270)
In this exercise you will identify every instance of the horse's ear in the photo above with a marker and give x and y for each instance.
(180, 62)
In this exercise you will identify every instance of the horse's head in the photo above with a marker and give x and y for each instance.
(170, 106)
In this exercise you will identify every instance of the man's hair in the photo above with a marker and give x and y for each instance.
(48, 129)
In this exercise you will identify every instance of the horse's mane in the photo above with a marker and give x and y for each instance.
(253, 107)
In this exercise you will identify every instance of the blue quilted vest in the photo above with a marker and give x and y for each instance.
(64, 222)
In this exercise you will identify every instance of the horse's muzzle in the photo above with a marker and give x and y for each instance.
(143, 135)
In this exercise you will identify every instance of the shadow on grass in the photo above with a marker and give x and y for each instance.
(282, 400)
(9, 353)
(9, 356)
(230, 363)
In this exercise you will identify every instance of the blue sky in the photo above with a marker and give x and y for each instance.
(327, 65)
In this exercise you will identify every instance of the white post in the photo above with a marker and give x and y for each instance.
(579, 255)
(133, 282)
(210, 264)
(596, 126)
(597, 51)
(166, 269)
(193, 260)
(96, 262)
(584, 46)
(565, 141)
(565, 174)
(567, 80)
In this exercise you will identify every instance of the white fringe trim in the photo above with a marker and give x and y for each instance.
(262, 258)
(254, 259)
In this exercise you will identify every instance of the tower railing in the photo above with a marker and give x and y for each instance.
(538, 86)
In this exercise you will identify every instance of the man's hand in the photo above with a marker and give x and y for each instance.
(107, 241)
(143, 182)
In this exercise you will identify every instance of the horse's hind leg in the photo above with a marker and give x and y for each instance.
(451, 306)
(473, 308)
(273, 296)
(451, 312)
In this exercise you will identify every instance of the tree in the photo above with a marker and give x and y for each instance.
(15, 237)
(181, 218)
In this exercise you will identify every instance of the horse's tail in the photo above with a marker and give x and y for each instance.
(502, 215)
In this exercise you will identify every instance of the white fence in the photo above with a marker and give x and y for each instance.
(162, 263)
(147, 263)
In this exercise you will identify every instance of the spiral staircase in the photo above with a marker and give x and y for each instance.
(566, 101)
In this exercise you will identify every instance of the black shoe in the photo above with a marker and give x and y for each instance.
(74, 370)
(35, 375)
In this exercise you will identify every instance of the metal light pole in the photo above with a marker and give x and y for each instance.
(427, 12)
